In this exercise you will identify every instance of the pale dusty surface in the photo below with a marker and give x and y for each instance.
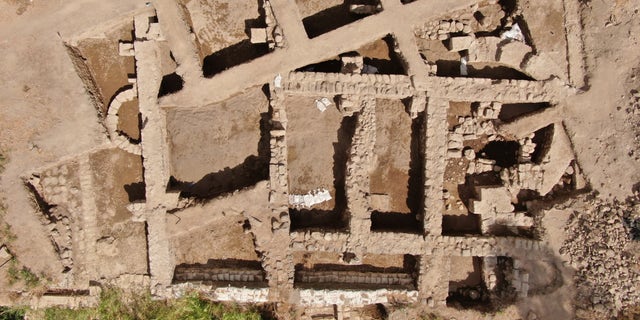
(199, 178)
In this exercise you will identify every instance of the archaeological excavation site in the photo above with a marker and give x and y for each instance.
(323, 159)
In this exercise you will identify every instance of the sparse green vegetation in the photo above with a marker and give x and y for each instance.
(6, 235)
(16, 274)
(3, 161)
(114, 304)
(7, 313)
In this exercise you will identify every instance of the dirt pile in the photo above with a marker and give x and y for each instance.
(603, 245)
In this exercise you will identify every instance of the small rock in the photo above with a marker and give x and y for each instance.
(469, 154)
(569, 170)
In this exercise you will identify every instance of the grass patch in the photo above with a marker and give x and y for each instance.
(113, 304)
(11, 313)
(17, 274)
(6, 235)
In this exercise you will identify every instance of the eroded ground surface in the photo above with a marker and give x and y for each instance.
(332, 159)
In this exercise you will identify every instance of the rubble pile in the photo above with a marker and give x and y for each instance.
(442, 30)
(599, 246)
(485, 18)
(522, 176)
(468, 128)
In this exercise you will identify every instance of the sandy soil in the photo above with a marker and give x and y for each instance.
(315, 148)
(45, 115)
(218, 138)
(116, 190)
(129, 120)
(219, 222)
(393, 154)
(606, 150)
(219, 24)
(42, 102)
(110, 70)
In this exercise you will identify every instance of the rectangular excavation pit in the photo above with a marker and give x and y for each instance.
(217, 229)
(448, 63)
(457, 186)
(121, 244)
(222, 273)
(100, 66)
(466, 283)
(221, 147)
(85, 201)
(378, 56)
(324, 270)
(115, 191)
(396, 179)
(318, 144)
(222, 30)
(512, 111)
(321, 17)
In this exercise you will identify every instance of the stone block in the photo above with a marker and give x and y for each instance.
(5, 256)
(460, 43)
(258, 35)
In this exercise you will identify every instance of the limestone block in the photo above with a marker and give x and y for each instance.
(540, 67)
(154, 31)
(491, 199)
(513, 53)
(460, 43)
(258, 35)
(125, 49)
(484, 49)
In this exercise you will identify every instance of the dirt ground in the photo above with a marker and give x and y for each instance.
(129, 120)
(46, 115)
(217, 222)
(316, 148)
(110, 70)
(211, 145)
(465, 272)
(393, 154)
(219, 24)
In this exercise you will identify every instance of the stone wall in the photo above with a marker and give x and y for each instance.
(327, 84)
(311, 297)
(230, 294)
(206, 273)
(346, 278)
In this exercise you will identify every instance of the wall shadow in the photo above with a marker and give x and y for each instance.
(337, 218)
(252, 170)
(333, 18)
(232, 56)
